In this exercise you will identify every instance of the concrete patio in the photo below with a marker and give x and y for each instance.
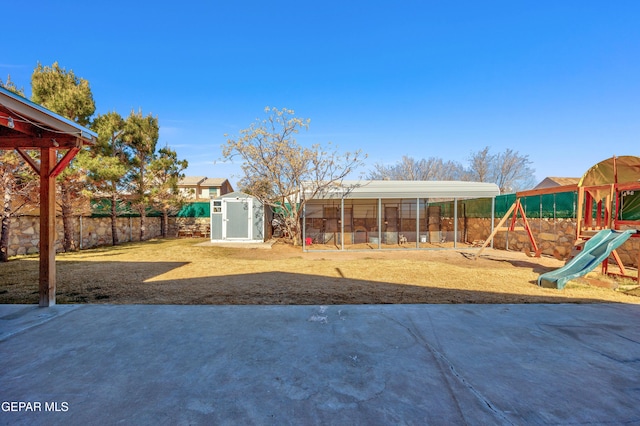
(320, 365)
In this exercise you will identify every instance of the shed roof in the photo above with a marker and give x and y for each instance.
(238, 195)
(373, 189)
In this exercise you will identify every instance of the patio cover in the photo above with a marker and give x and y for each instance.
(26, 126)
(374, 189)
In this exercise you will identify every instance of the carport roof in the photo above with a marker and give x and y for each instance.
(373, 189)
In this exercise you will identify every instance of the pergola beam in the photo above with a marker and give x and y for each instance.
(64, 162)
(17, 125)
(26, 157)
(27, 142)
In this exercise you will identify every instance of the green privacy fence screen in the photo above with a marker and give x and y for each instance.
(197, 209)
(562, 205)
(559, 206)
(630, 205)
(102, 208)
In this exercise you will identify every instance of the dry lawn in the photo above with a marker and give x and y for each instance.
(186, 271)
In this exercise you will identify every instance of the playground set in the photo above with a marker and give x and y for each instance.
(608, 214)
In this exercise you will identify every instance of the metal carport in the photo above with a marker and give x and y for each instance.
(408, 192)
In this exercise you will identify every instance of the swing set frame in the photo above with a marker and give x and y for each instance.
(598, 208)
(517, 208)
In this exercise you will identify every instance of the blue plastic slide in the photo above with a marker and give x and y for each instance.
(596, 250)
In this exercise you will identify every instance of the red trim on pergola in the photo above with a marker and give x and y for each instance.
(27, 126)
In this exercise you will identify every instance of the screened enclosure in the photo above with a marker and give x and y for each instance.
(390, 214)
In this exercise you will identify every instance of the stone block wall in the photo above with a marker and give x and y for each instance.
(551, 235)
(24, 235)
(191, 226)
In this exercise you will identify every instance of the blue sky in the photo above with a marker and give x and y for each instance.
(558, 81)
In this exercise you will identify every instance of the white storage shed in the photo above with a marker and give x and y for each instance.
(237, 217)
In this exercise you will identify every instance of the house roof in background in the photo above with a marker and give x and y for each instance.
(213, 182)
(202, 181)
(550, 182)
(191, 180)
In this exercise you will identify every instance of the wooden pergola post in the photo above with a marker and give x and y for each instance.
(47, 281)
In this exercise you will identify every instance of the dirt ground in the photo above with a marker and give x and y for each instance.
(193, 271)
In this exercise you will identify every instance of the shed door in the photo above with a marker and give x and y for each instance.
(237, 217)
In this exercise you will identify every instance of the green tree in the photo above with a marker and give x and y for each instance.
(165, 171)
(275, 166)
(108, 165)
(62, 92)
(11, 86)
(141, 135)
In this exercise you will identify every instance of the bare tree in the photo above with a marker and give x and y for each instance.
(510, 170)
(481, 166)
(18, 187)
(513, 171)
(409, 168)
(275, 165)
